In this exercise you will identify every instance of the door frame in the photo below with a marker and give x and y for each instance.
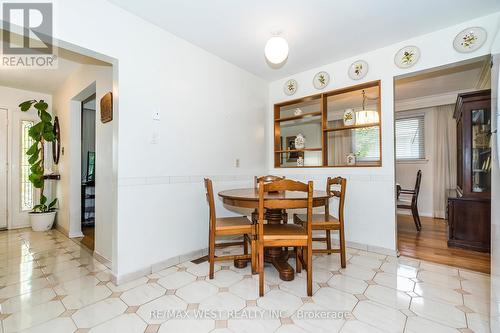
(7, 173)
(82, 170)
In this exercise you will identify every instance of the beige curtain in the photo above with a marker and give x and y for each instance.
(445, 157)
(341, 145)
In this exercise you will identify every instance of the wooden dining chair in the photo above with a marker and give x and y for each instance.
(228, 226)
(284, 235)
(411, 204)
(267, 179)
(328, 222)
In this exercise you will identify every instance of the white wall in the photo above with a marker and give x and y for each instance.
(85, 81)
(366, 184)
(10, 99)
(211, 113)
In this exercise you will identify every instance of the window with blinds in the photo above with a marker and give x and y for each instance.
(366, 144)
(410, 142)
(26, 186)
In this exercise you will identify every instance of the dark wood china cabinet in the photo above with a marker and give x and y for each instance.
(469, 206)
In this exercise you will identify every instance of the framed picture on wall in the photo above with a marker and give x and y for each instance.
(107, 108)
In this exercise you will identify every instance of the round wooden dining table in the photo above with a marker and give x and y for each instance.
(249, 198)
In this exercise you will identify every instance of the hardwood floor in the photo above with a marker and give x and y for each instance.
(430, 244)
(88, 237)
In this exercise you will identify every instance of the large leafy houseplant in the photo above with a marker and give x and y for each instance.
(41, 132)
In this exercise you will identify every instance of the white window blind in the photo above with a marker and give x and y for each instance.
(410, 143)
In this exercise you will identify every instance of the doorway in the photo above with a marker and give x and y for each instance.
(428, 152)
(88, 162)
(3, 168)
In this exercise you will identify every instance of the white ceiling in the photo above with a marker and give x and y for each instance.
(46, 80)
(451, 79)
(40, 80)
(318, 31)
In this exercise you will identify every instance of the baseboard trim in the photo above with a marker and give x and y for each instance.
(102, 260)
(407, 212)
(62, 230)
(67, 233)
(365, 247)
(161, 265)
(17, 227)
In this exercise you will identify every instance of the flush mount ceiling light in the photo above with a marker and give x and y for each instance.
(276, 49)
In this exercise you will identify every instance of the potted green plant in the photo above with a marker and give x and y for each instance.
(43, 215)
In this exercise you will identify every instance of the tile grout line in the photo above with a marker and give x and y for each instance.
(194, 274)
(463, 300)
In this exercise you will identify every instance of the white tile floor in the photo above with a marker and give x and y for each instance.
(49, 283)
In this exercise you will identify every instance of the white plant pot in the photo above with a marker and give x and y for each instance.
(42, 221)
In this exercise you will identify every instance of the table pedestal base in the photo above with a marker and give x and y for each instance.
(241, 263)
(274, 255)
(279, 261)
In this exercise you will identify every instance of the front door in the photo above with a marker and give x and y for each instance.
(3, 168)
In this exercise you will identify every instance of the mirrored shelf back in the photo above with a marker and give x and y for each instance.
(339, 128)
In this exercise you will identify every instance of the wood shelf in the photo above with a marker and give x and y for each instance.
(332, 166)
(318, 127)
(301, 116)
(298, 150)
(343, 128)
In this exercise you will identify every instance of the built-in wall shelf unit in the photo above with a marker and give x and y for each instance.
(339, 128)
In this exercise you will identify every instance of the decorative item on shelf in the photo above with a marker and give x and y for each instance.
(358, 70)
(407, 56)
(300, 141)
(351, 159)
(297, 112)
(349, 117)
(293, 154)
(56, 144)
(107, 107)
(290, 87)
(470, 39)
(364, 116)
(321, 80)
(300, 161)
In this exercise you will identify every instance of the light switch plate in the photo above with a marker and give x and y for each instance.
(154, 138)
(156, 115)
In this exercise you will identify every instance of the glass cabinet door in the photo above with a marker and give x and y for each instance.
(481, 150)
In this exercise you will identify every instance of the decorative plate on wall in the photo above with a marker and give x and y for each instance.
(349, 117)
(321, 80)
(470, 39)
(358, 70)
(407, 56)
(290, 87)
